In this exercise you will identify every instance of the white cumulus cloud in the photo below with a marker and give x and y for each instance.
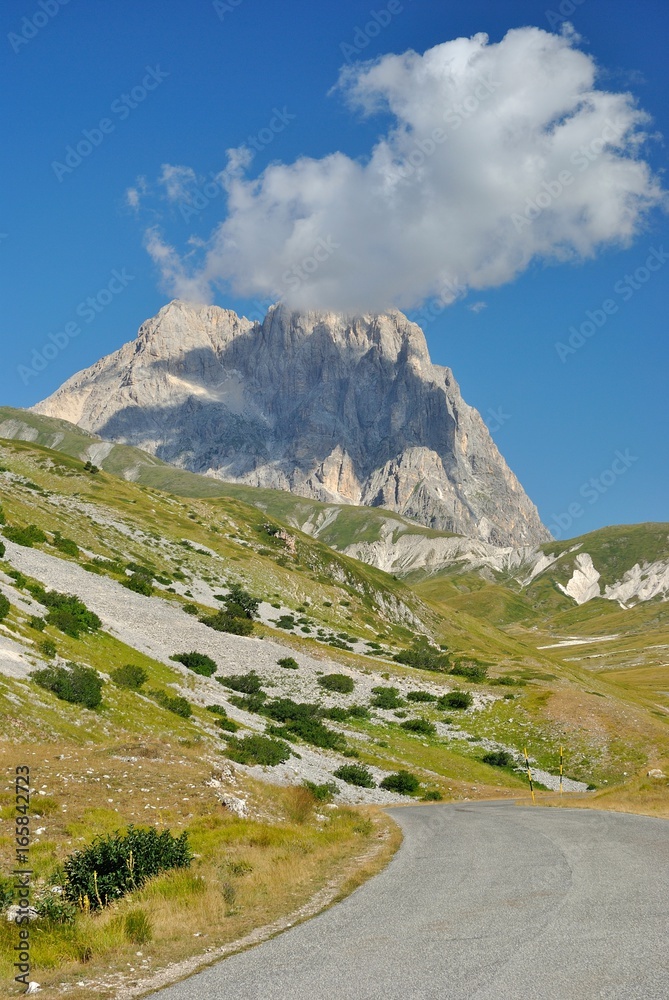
(497, 155)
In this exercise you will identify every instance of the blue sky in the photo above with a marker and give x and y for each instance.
(182, 82)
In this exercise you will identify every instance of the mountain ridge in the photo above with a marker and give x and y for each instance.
(340, 409)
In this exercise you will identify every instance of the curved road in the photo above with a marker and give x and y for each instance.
(483, 901)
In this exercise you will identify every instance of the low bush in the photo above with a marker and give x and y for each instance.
(402, 782)
(424, 656)
(302, 719)
(472, 670)
(288, 663)
(322, 793)
(229, 725)
(355, 774)
(432, 795)
(249, 683)
(65, 545)
(118, 863)
(48, 648)
(190, 609)
(358, 712)
(139, 583)
(257, 749)
(175, 704)
(285, 621)
(336, 714)
(386, 697)
(423, 726)
(497, 758)
(74, 683)
(339, 683)
(4, 606)
(249, 702)
(39, 624)
(55, 909)
(456, 699)
(199, 663)
(3, 549)
(421, 696)
(223, 621)
(66, 612)
(129, 676)
(217, 710)
(28, 535)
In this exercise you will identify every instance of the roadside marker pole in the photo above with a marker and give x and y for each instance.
(561, 761)
(529, 772)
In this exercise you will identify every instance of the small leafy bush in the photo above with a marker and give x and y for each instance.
(139, 583)
(423, 726)
(424, 656)
(336, 714)
(217, 710)
(285, 621)
(4, 607)
(48, 648)
(339, 683)
(386, 697)
(257, 749)
(456, 699)
(74, 683)
(118, 863)
(288, 663)
(55, 909)
(358, 712)
(249, 702)
(322, 793)
(199, 663)
(3, 549)
(66, 612)
(129, 676)
(229, 725)
(421, 696)
(355, 774)
(249, 683)
(65, 545)
(432, 795)
(471, 670)
(37, 623)
(402, 782)
(175, 704)
(27, 536)
(223, 621)
(190, 609)
(497, 758)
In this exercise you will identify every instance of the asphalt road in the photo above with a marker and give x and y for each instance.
(483, 901)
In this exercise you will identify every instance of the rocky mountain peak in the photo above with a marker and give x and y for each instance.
(340, 408)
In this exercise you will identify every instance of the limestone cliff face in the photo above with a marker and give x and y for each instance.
(345, 409)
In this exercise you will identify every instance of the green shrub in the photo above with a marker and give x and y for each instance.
(301, 719)
(423, 726)
(386, 697)
(66, 545)
(322, 793)
(229, 725)
(48, 648)
(421, 696)
(37, 623)
(472, 670)
(190, 609)
(217, 710)
(402, 782)
(249, 702)
(358, 712)
(432, 795)
(137, 927)
(336, 714)
(27, 536)
(174, 704)
(355, 774)
(257, 749)
(239, 602)
(456, 699)
(3, 549)
(223, 621)
(423, 656)
(118, 863)
(67, 613)
(288, 663)
(285, 621)
(3, 519)
(497, 758)
(339, 683)
(139, 583)
(129, 676)
(74, 683)
(4, 606)
(7, 886)
(249, 683)
(199, 663)
(55, 909)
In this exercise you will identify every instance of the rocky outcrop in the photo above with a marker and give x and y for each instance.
(341, 409)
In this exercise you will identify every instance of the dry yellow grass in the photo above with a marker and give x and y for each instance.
(247, 874)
